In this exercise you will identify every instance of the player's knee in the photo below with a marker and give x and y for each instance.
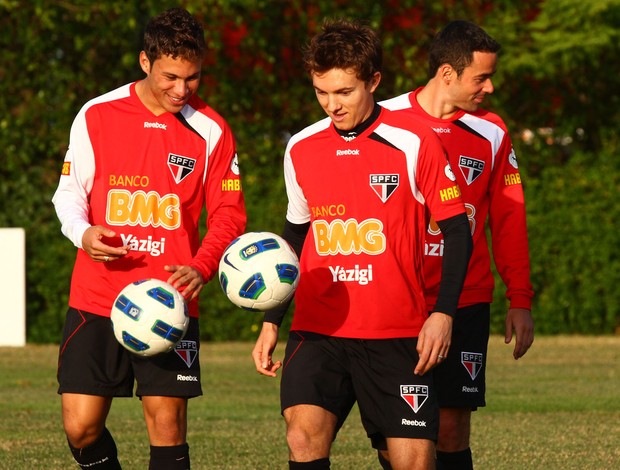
(80, 434)
(310, 442)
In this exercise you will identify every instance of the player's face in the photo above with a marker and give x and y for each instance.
(469, 90)
(169, 83)
(346, 99)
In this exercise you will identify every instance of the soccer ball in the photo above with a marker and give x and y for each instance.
(149, 317)
(259, 271)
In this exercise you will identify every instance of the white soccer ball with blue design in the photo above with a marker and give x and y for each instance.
(259, 271)
(149, 317)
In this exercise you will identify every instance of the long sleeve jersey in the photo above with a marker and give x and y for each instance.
(367, 201)
(148, 178)
(481, 154)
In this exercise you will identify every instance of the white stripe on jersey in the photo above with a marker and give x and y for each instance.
(491, 132)
(409, 144)
(207, 128)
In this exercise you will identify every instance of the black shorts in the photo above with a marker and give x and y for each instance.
(460, 379)
(92, 362)
(334, 373)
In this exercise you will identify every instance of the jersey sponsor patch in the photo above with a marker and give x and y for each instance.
(66, 169)
(234, 165)
(449, 173)
(384, 185)
(414, 395)
(188, 351)
(472, 362)
(180, 166)
(512, 158)
(471, 168)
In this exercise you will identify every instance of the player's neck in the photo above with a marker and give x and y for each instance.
(433, 101)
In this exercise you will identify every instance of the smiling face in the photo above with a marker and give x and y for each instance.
(169, 83)
(346, 99)
(468, 91)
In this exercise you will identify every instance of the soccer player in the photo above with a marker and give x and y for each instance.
(360, 184)
(143, 161)
(462, 61)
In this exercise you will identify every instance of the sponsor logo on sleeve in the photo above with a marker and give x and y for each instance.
(66, 169)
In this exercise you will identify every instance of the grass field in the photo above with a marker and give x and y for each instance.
(556, 408)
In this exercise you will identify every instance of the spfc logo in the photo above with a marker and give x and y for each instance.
(512, 158)
(472, 362)
(384, 185)
(180, 166)
(188, 351)
(414, 395)
(471, 168)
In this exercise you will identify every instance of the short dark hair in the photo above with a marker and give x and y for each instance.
(175, 33)
(456, 43)
(344, 44)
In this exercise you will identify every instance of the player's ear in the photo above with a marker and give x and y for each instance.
(145, 63)
(374, 81)
(446, 73)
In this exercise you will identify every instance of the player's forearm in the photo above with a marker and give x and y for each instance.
(457, 251)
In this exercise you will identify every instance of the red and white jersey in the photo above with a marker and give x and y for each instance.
(367, 201)
(148, 178)
(484, 162)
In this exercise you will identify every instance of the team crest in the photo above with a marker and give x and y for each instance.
(512, 158)
(472, 362)
(471, 168)
(414, 395)
(188, 351)
(180, 166)
(384, 185)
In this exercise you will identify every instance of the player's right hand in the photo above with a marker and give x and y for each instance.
(93, 244)
(433, 342)
(263, 350)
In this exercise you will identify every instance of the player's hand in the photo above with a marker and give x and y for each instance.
(263, 350)
(520, 322)
(433, 342)
(187, 278)
(93, 243)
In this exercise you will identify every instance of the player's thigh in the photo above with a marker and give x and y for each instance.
(316, 373)
(172, 374)
(90, 360)
(461, 378)
(393, 401)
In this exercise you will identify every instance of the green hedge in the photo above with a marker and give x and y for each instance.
(57, 55)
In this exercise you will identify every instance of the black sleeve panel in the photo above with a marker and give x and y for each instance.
(457, 251)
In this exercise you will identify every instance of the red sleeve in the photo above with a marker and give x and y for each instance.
(508, 228)
(436, 180)
(226, 217)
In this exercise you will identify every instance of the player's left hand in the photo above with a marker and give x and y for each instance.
(433, 342)
(187, 277)
(520, 322)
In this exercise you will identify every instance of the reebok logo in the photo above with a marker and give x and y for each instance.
(469, 389)
(187, 378)
(442, 130)
(413, 422)
(340, 153)
(154, 125)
